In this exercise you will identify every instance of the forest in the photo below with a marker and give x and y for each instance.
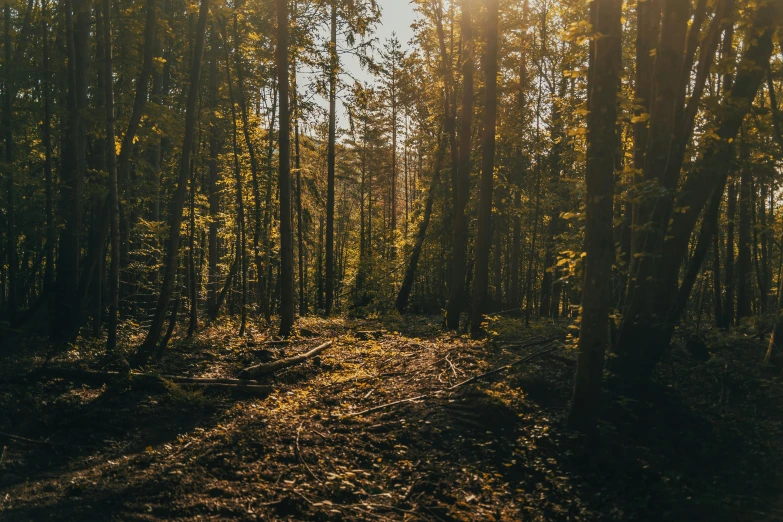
(269, 260)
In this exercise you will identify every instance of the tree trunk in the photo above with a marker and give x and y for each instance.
(178, 201)
(333, 64)
(254, 168)
(9, 170)
(484, 227)
(284, 180)
(460, 241)
(716, 284)
(241, 238)
(213, 195)
(599, 238)
(731, 210)
(46, 135)
(744, 269)
(643, 342)
(114, 213)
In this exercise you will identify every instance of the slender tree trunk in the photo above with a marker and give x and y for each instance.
(46, 134)
(728, 307)
(401, 303)
(178, 201)
(299, 225)
(716, 284)
(744, 269)
(484, 227)
(254, 167)
(213, 195)
(333, 64)
(114, 266)
(9, 168)
(192, 274)
(265, 283)
(241, 238)
(516, 250)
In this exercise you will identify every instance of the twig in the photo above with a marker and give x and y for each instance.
(388, 405)
(463, 383)
(267, 368)
(17, 438)
(299, 454)
(452, 366)
(503, 368)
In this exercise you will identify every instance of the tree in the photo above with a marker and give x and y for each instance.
(284, 176)
(484, 227)
(599, 239)
(461, 195)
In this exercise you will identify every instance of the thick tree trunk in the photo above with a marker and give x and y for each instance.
(68, 304)
(599, 237)
(284, 179)
(460, 241)
(484, 227)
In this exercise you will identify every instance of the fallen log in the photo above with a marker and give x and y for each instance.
(149, 381)
(259, 370)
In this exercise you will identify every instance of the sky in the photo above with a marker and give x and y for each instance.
(396, 18)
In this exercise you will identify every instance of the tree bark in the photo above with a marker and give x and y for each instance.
(484, 227)
(333, 65)
(114, 266)
(284, 178)
(460, 240)
(599, 236)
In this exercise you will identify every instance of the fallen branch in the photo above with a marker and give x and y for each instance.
(150, 381)
(503, 368)
(301, 458)
(17, 438)
(389, 405)
(260, 370)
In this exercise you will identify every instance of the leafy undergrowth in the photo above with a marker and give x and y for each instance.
(702, 443)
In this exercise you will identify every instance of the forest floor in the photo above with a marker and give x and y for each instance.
(703, 443)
